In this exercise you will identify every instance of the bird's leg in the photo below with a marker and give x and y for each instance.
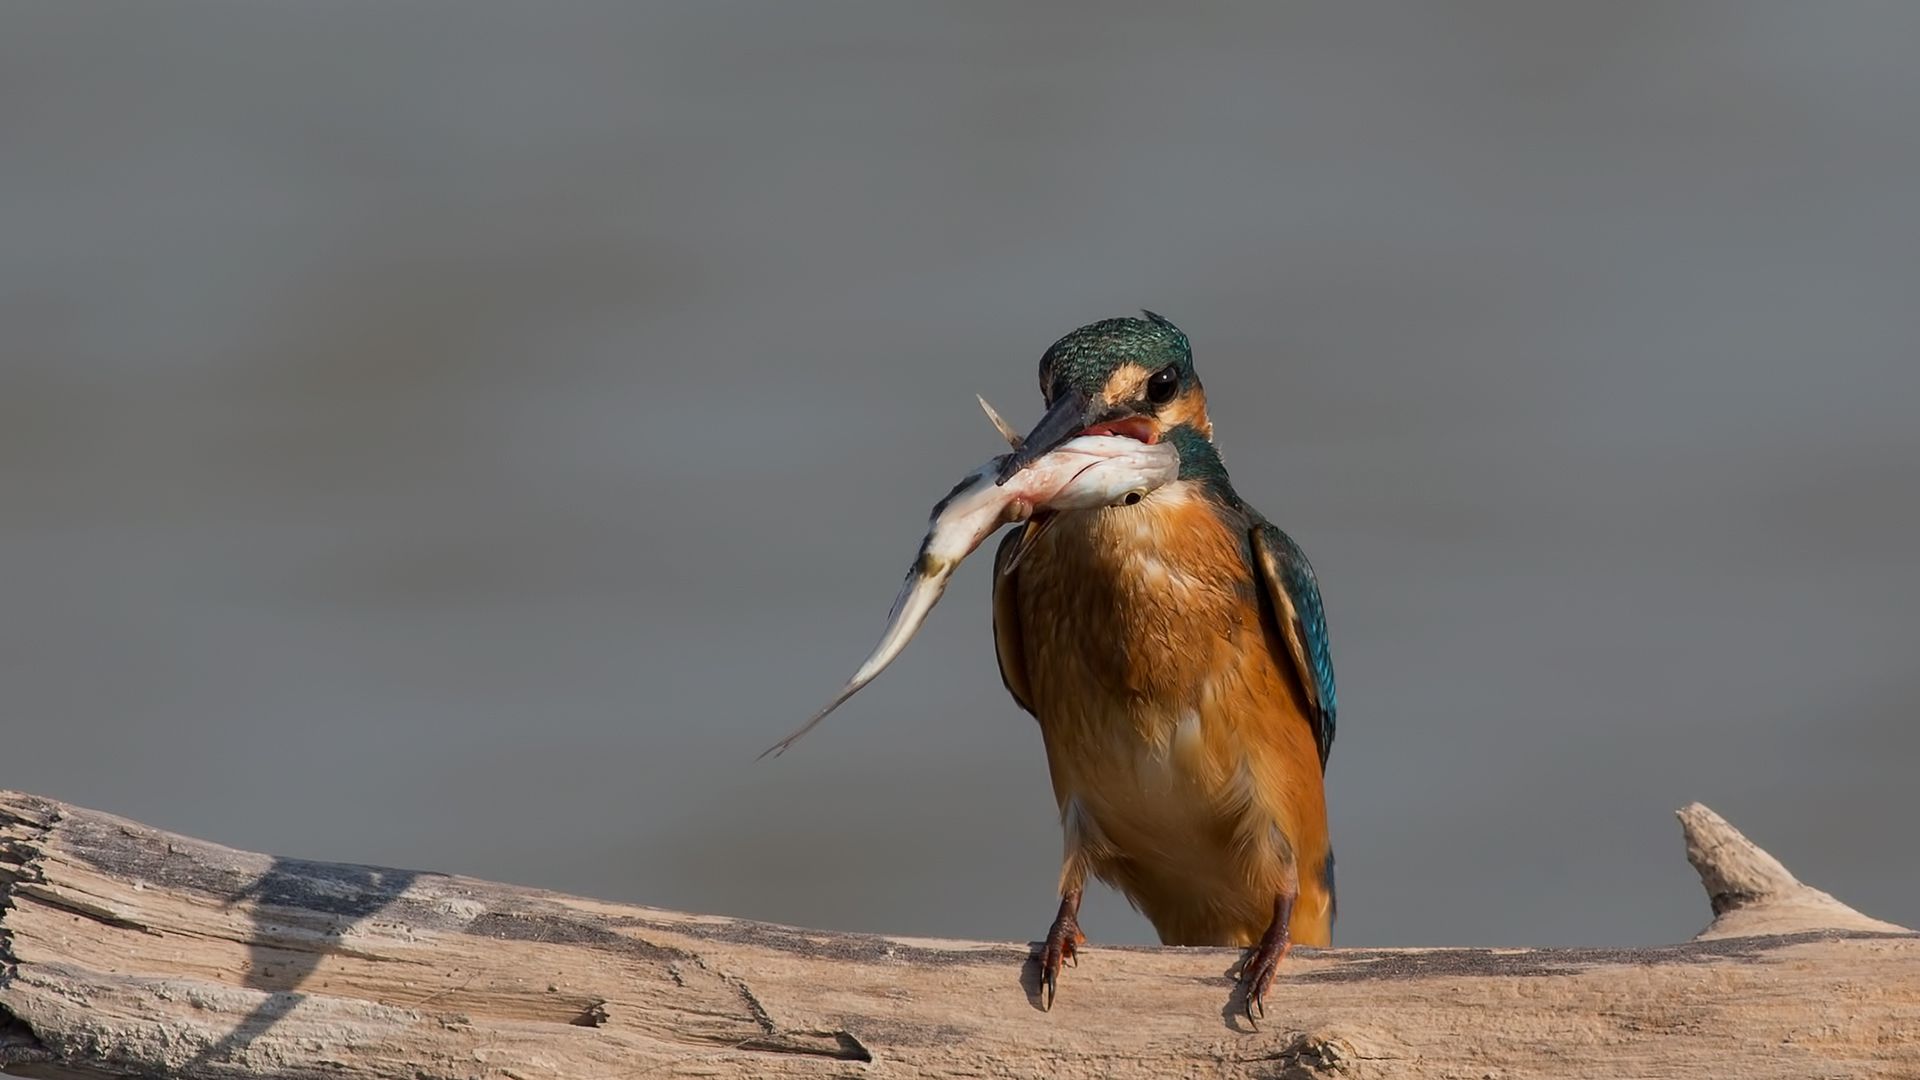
(1256, 975)
(1062, 939)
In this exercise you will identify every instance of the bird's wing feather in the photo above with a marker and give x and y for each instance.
(1007, 645)
(1288, 581)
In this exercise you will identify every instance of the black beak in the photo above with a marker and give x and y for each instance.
(1069, 415)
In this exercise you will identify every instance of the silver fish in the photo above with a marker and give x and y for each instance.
(1086, 473)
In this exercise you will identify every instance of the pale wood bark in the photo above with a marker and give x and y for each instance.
(126, 951)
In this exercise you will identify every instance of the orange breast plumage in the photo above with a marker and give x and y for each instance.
(1176, 732)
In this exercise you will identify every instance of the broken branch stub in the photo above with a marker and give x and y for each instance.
(1752, 893)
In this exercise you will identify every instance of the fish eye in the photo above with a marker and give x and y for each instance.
(1162, 385)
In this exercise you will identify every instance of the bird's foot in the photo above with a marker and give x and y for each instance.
(1061, 946)
(1256, 975)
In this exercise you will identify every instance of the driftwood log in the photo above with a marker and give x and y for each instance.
(126, 951)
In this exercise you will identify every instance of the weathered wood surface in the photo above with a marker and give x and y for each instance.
(126, 951)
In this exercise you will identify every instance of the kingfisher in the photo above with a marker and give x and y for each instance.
(1175, 654)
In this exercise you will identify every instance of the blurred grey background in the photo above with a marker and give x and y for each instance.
(462, 435)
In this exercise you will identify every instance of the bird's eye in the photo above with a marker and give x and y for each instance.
(1162, 385)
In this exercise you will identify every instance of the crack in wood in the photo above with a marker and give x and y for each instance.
(845, 1047)
(832, 944)
(754, 1008)
(18, 1042)
(1306, 1056)
(77, 906)
(51, 1071)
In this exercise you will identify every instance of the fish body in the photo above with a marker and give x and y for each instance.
(1081, 474)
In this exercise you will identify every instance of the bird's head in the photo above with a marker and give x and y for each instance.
(1127, 377)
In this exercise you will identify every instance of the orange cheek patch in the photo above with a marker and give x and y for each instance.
(1188, 408)
(1126, 384)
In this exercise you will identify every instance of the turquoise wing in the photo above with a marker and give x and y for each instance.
(1287, 579)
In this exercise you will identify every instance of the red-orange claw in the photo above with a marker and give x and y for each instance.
(1256, 975)
(1061, 946)
(1058, 952)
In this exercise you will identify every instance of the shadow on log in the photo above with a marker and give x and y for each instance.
(126, 951)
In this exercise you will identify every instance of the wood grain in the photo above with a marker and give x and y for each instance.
(127, 951)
